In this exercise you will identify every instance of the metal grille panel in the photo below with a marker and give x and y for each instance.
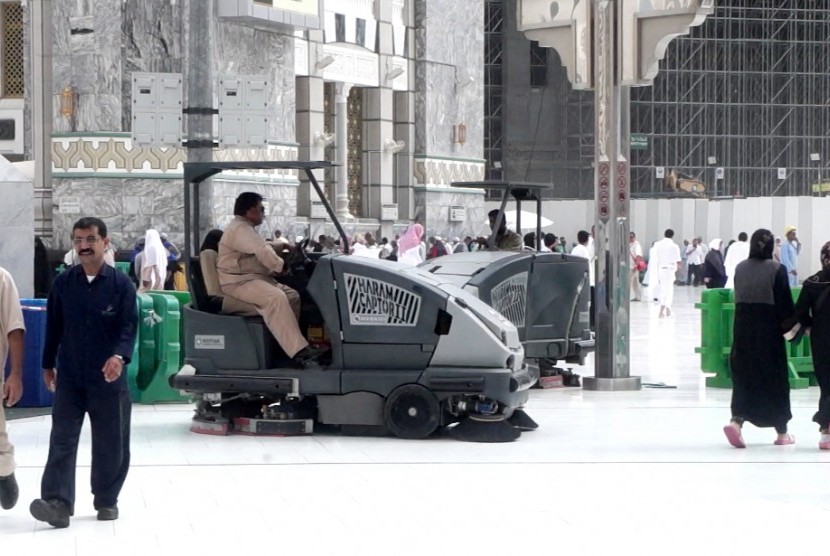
(355, 138)
(12, 22)
(509, 298)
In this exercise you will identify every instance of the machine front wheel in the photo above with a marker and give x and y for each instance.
(411, 411)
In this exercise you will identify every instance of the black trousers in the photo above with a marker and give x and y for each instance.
(109, 416)
(822, 372)
(592, 308)
(695, 274)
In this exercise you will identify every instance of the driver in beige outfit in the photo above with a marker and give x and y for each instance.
(247, 266)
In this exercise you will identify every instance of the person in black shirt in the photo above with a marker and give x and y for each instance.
(91, 324)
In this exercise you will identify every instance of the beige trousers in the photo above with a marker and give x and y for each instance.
(636, 289)
(278, 305)
(6, 448)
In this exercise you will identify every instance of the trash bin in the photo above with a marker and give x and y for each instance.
(35, 393)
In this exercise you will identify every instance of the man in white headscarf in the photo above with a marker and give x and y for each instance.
(151, 263)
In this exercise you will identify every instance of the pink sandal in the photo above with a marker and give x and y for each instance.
(733, 435)
(824, 444)
(785, 441)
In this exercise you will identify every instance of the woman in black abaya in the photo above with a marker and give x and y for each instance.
(714, 273)
(813, 311)
(763, 307)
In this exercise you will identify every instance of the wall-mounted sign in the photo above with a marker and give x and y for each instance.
(458, 213)
(69, 205)
(782, 173)
(389, 211)
(639, 142)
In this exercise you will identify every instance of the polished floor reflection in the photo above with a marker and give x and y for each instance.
(645, 472)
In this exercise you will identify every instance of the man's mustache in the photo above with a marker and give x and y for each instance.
(86, 252)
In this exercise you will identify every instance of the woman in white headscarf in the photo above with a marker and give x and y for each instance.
(714, 272)
(151, 264)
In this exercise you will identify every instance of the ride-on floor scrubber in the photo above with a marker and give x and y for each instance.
(410, 353)
(545, 295)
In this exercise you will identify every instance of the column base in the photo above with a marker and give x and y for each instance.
(611, 384)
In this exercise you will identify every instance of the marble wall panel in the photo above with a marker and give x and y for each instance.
(94, 112)
(146, 204)
(87, 50)
(152, 35)
(449, 31)
(107, 22)
(242, 50)
(61, 73)
(449, 76)
(109, 72)
(60, 28)
(152, 29)
(433, 212)
(135, 226)
(131, 204)
(82, 34)
(129, 207)
(84, 73)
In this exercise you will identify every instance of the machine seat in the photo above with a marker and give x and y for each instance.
(207, 295)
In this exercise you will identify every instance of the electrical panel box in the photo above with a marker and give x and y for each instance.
(157, 109)
(243, 111)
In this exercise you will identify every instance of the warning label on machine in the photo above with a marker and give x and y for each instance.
(374, 302)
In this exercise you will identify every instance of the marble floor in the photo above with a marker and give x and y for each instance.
(645, 472)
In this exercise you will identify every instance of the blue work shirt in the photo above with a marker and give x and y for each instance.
(87, 323)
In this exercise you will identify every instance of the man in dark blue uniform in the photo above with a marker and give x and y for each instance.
(90, 330)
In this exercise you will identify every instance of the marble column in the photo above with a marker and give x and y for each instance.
(40, 39)
(378, 151)
(310, 136)
(404, 119)
(611, 177)
(341, 200)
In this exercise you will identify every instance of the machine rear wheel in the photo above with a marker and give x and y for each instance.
(411, 411)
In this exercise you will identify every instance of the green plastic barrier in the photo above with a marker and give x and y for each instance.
(123, 267)
(140, 372)
(183, 299)
(167, 356)
(713, 335)
(717, 323)
(800, 356)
